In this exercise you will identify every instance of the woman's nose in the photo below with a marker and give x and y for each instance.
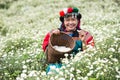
(70, 21)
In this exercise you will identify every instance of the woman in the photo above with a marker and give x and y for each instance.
(70, 19)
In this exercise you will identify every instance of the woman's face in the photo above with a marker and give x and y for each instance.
(70, 23)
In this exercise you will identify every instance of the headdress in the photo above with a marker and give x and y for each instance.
(67, 11)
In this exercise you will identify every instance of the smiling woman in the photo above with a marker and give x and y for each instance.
(23, 24)
(70, 18)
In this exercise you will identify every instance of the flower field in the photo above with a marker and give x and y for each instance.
(24, 23)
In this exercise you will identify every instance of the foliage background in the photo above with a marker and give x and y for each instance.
(24, 23)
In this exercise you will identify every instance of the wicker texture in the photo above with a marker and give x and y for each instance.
(61, 39)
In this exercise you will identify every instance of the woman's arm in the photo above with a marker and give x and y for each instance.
(86, 38)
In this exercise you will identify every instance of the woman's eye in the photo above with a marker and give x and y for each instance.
(73, 19)
(67, 20)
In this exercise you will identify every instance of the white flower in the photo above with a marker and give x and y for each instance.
(28, 60)
(65, 60)
(85, 78)
(90, 73)
(104, 70)
(78, 71)
(117, 76)
(16, 62)
(119, 50)
(71, 75)
(66, 55)
(61, 79)
(114, 59)
(23, 62)
(50, 72)
(6, 73)
(63, 67)
(32, 73)
(110, 56)
(91, 67)
(43, 73)
(19, 78)
(111, 49)
(61, 73)
(57, 69)
(56, 77)
(24, 66)
(53, 67)
(114, 31)
(24, 71)
(116, 68)
(102, 73)
(37, 78)
(66, 71)
(23, 75)
(5, 55)
(98, 68)
(104, 60)
(52, 78)
(71, 69)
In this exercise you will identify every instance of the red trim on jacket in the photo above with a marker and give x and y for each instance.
(45, 41)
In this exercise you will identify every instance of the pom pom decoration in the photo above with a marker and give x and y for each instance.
(70, 10)
(75, 10)
(62, 13)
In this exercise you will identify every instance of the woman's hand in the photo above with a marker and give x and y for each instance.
(82, 34)
(86, 37)
(55, 31)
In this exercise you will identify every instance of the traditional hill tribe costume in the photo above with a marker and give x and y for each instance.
(88, 40)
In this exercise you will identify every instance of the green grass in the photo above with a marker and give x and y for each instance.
(24, 23)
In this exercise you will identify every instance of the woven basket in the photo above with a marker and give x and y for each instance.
(61, 39)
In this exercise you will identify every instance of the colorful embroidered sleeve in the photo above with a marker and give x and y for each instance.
(89, 39)
(45, 41)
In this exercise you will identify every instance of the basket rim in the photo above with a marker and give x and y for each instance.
(64, 34)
